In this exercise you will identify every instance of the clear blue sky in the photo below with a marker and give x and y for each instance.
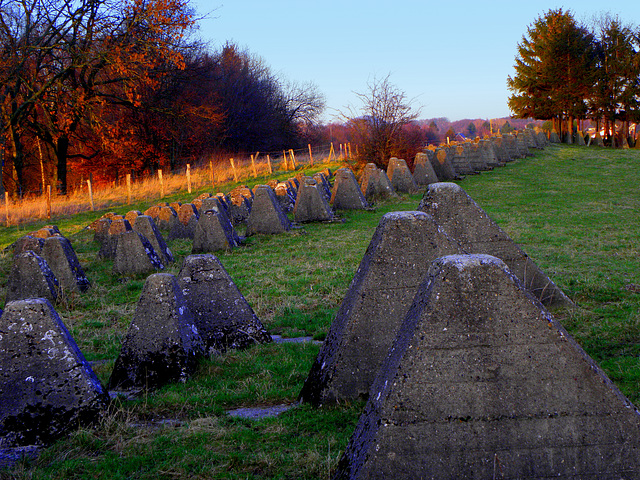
(452, 57)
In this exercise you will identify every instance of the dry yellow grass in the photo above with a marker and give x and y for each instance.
(35, 208)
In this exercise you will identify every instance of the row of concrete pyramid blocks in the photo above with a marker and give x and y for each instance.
(467, 374)
(464, 158)
(48, 388)
(264, 211)
(44, 265)
(210, 227)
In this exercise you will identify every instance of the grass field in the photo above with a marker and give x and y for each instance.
(574, 210)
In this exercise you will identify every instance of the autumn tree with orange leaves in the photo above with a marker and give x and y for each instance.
(69, 69)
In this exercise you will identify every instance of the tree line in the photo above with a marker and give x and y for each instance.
(107, 87)
(567, 72)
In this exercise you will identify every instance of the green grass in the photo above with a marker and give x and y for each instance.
(574, 210)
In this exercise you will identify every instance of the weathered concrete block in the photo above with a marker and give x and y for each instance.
(64, 263)
(374, 183)
(218, 205)
(46, 386)
(101, 230)
(482, 382)
(185, 227)
(311, 205)
(442, 165)
(145, 226)
(162, 344)
(28, 242)
(346, 193)
(153, 212)
(500, 149)
(110, 242)
(423, 173)
(239, 210)
(323, 183)
(400, 176)
(286, 196)
(488, 154)
(167, 218)
(266, 215)
(460, 161)
(46, 231)
(31, 277)
(222, 315)
(135, 255)
(214, 232)
(131, 216)
(394, 265)
(463, 220)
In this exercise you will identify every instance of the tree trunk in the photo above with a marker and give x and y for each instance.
(62, 151)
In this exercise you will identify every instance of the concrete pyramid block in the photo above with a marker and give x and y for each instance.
(135, 255)
(500, 149)
(423, 173)
(185, 227)
(463, 220)
(167, 218)
(489, 154)
(222, 315)
(153, 212)
(146, 226)
(239, 209)
(240, 204)
(482, 382)
(394, 265)
(64, 263)
(110, 241)
(101, 230)
(323, 184)
(218, 205)
(46, 386)
(28, 242)
(266, 215)
(460, 161)
(131, 215)
(400, 176)
(375, 184)
(475, 157)
(286, 196)
(346, 193)
(311, 205)
(31, 277)
(162, 344)
(442, 165)
(214, 232)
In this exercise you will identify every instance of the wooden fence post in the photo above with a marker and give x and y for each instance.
(213, 178)
(49, 202)
(310, 155)
(189, 177)
(161, 183)
(90, 194)
(331, 151)
(349, 145)
(6, 206)
(253, 166)
(233, 166)
(128, 189)
(284, 156)
(269, 163)
(293, 158)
